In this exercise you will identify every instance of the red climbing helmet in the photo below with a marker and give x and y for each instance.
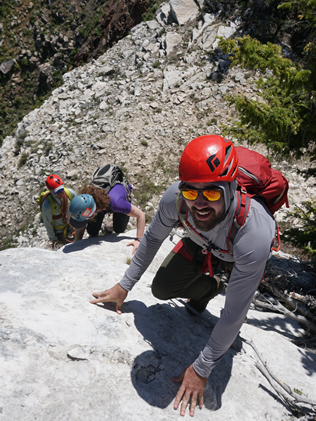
(209, 158)
(55, 183)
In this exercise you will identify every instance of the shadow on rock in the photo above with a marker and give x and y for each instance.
(91, 241)
(309, 362)
(176, 340)
(276, 324)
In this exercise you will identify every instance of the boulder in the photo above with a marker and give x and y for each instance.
(182, 11)
(6, 66)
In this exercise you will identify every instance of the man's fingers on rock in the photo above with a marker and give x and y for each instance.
(193, 404)
(179, 396)
(184, 405)
(98, 294)
(98, 300)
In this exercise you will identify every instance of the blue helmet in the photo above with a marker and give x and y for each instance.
(81, 208)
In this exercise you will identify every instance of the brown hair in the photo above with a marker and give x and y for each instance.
(101, 198)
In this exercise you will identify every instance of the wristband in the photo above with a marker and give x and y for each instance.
(137, 238)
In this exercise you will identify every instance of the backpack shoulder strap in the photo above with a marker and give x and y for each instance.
(241, 212)
(126, 185)
(243, 206)
(179, 205)
(42, 197)
(68, 194)
(52, 203)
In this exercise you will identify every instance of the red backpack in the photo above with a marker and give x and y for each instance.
(256, 178)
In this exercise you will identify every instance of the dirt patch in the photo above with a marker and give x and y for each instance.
(287, 247)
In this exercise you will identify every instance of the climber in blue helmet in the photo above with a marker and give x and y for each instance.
(81, 209)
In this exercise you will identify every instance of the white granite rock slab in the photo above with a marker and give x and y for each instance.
(62, 358)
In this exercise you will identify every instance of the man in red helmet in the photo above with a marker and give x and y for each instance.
(55, 211)
(205, 200)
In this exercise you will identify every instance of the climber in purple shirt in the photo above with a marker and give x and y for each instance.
(117, 201)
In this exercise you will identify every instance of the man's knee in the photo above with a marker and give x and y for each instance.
(158, 288)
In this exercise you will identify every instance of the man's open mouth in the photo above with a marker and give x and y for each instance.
(203, 214)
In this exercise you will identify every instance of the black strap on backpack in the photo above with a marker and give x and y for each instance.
(107, 176)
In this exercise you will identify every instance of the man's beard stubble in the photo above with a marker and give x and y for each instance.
(211, 222)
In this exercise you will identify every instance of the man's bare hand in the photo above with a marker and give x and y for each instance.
(191, 390)
(117, 294)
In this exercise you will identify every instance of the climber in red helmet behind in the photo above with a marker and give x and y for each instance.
(205, 202)
(55, 211)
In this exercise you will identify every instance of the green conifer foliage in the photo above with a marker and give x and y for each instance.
(284, 117)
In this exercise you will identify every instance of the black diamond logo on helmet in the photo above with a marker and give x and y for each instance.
(213, 162)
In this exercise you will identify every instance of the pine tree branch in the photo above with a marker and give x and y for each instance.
(292, 299)
(270, 376)
(270, 303)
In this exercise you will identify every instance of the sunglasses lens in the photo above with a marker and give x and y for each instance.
(190, 194)
(212, 195)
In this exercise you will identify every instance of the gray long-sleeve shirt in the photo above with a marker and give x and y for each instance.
(47, 214)
(252, 249)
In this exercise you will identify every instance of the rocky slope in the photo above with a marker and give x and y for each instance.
(137, 105)
(42, 39)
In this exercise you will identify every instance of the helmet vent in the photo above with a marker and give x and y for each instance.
(228, 150)
(234, 172)
(228, 169)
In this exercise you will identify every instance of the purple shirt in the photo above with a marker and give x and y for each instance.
(118, 202)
